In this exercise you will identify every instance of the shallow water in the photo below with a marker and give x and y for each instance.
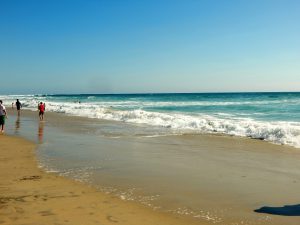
(274, 117)
(212, 178)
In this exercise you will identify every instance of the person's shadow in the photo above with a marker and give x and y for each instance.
(287, 210)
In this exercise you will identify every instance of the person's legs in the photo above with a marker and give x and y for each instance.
(2, 123)
(41, 115)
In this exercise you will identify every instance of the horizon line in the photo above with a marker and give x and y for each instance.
(154, 93)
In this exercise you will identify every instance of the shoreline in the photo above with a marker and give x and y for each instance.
(224, 172)
(56, 119)
(221, 115)
(31, 195)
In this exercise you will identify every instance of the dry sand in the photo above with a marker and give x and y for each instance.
(29, 195)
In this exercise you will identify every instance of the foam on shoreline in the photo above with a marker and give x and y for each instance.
(31, 196)
(152, 113)
(217, 167)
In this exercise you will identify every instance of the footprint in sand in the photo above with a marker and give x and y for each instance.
(34, 177)
(111, 219)
(46, 213)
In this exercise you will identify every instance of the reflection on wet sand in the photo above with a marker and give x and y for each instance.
(217, 178)
(41, 132)
(17, 125)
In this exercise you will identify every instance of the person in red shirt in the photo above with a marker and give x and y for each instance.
(41, 108)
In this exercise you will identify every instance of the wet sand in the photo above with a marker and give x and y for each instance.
(235, 175)
(31, 196)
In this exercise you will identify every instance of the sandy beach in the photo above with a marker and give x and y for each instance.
(153, 112)
(217, 179)
(31, 196)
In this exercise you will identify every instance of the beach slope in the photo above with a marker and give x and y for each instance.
(29, 195)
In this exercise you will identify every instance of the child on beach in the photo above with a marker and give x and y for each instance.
(3, 115)
(41, 108)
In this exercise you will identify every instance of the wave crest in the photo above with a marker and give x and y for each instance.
(278, 132)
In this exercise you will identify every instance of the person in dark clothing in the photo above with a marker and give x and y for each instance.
(19, 106)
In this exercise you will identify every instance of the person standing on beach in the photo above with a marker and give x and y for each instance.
(41, 108)
(19, 106)
(3, 116)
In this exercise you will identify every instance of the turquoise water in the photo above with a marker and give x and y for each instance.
(273, 117)
(214, 179)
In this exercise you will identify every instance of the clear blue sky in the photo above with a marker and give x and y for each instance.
(119, 46)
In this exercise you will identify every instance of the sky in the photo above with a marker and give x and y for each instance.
(149, 46)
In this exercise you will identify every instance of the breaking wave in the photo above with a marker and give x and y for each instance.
(278, 132)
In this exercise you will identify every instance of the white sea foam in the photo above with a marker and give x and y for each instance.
(279, 132)
(139, 103)
(276, 132)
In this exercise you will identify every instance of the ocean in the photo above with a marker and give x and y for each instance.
(193, 155)
(273, 117)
